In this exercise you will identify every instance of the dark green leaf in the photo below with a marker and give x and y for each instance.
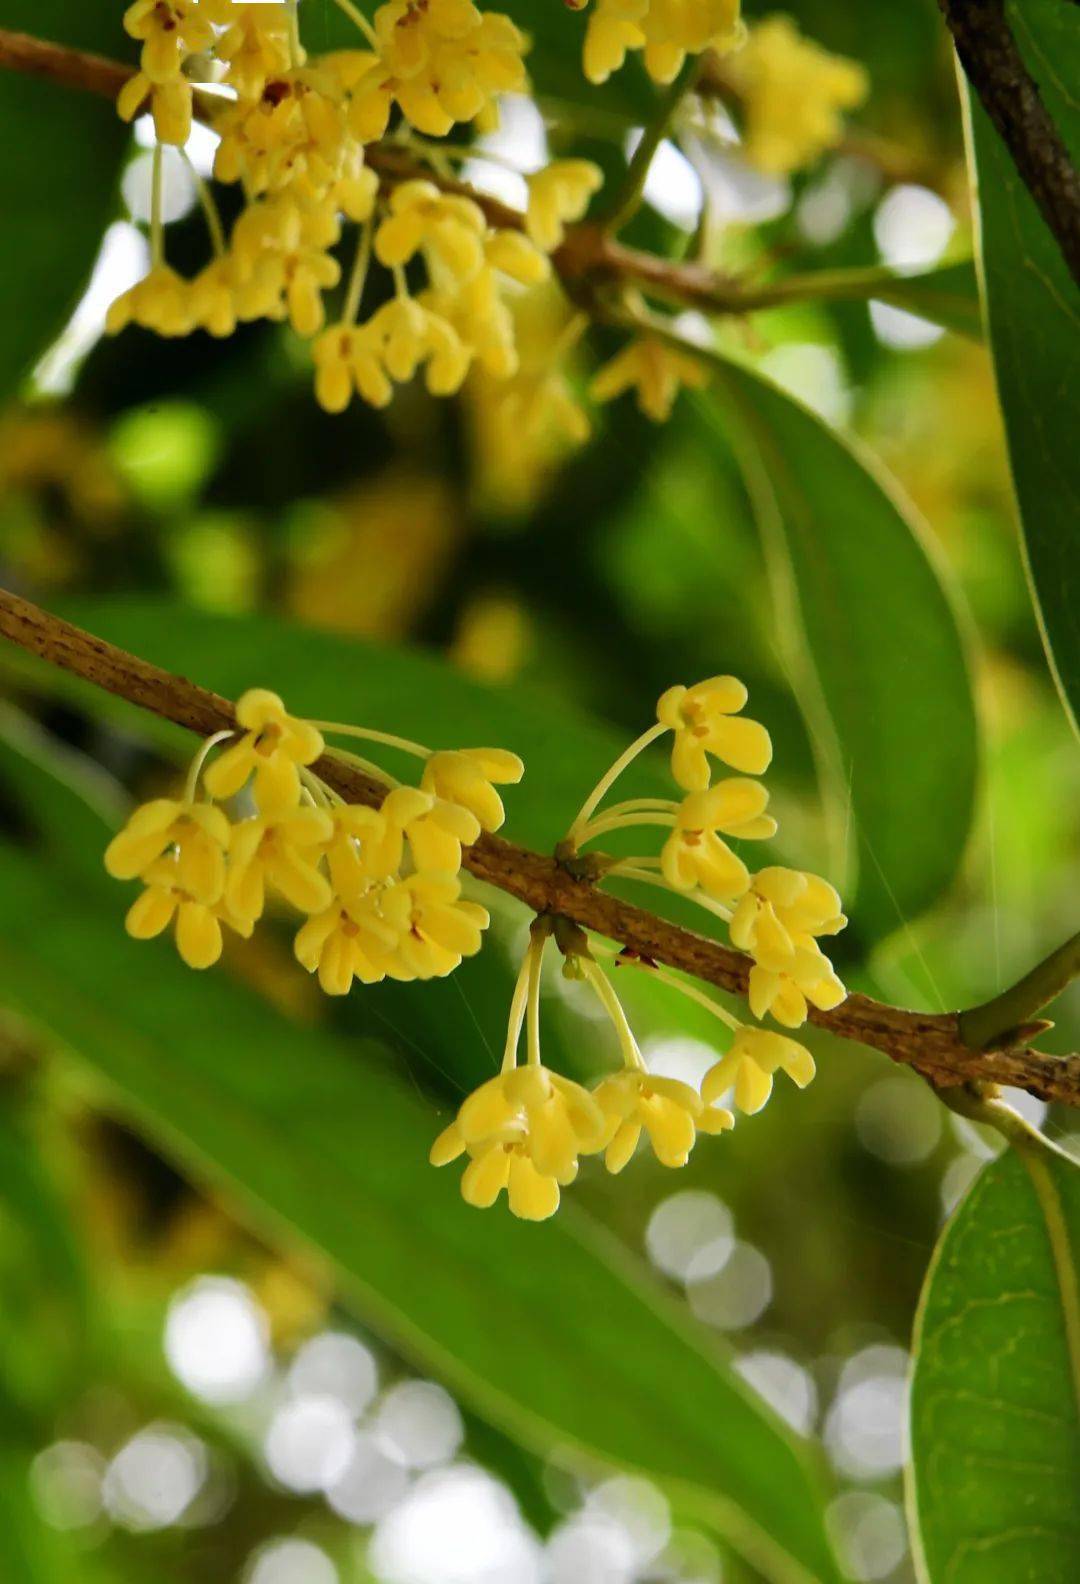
(1033, 316)
(62, 153)
(995, 1411)
(887, 694)
(555, 1333)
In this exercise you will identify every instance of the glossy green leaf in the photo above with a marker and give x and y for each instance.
(995, 1412)
(858, 592)
(62, 154)
(555, 1333)
(1033, 317)
(326, 676)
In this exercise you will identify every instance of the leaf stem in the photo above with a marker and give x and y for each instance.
(627, 199)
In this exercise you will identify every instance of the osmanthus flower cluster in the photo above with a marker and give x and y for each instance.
(294, 133)
(379, 887)
(380, 892)
(525, 1129)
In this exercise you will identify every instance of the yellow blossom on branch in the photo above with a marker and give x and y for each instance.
(469, 776)
(272, 749)
(807, 979)
(705, 720)
(281, 850)
(558, 193)
(670, 1112)
(794, 94)
(198, 832)
(656, 371)
(781, 906)
(754, 1056)
(695, 854)
(666, 30)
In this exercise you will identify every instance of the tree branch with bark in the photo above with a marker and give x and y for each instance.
(982, 1047)
(1009, 94)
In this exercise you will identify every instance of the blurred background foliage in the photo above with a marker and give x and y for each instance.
(224, 1358)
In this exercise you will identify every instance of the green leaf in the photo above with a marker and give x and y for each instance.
(554, 1334)
(326, 676)
(874, 645)
(62, 154)
(1033, 318)
(995, 1412)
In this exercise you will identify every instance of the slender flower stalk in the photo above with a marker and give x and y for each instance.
(608, 779)
(632, 869)
(536, 963)
(517, 1010)
(613, 1007)
(200, 758)
(605, 824)
(157, 233)
(369, 734)
(358, 277)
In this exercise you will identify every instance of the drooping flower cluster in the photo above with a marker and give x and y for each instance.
(793, 95)
(379, 887)
(295, 134)
(380, 892)
(293, 137)
(525, 1129)
(667, 31)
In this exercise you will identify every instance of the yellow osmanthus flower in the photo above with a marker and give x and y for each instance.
(522, 424)
(656, 371)
(170, 31)
(524, 1131)
(438, 926)
(293, 135)
(161, 302)
(468, 776)
(272, 749)
(695, 854)
(441, 61)
(755, 1055)
(281, 850)
(283, 263)
(794, 94)
(254, 47)
(198, 923)
(667, 31)
(450, 230)
(365, 848)
(525, 1128)
(349, 940)
(808, 977)
(705, 720)
(559, 193)
(781, 906)
(670, 1112)
(436, 829)
(198, 834)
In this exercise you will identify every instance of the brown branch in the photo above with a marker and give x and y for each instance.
(1010, 96)
(928, 1042)
(589, 258)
